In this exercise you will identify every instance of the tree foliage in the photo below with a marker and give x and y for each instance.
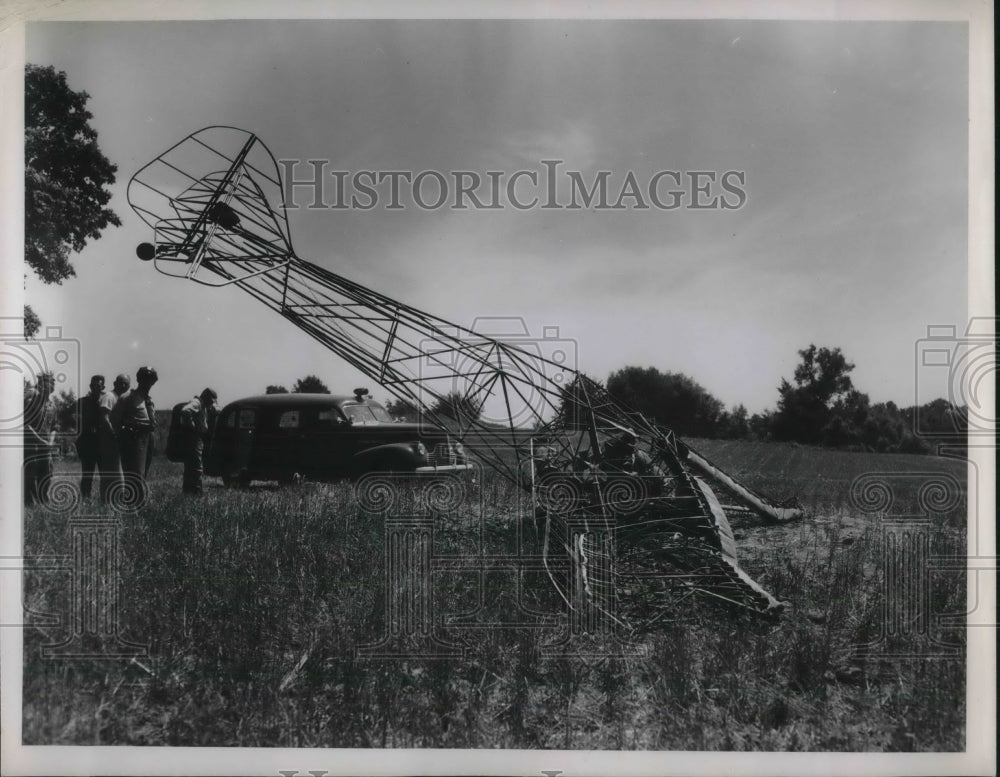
(822, 380)
(672, 399)
(275, 390)
(65, 176)
(824, 408)
(67, 411)
(403, 409)
(824, 373)
(735, 424)
(31, 322)
(310, 384)
(579, 394)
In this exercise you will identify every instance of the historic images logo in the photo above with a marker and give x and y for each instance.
(549, 186)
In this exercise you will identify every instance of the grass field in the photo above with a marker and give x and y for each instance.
(253, 604)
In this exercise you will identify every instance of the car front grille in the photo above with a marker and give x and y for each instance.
(442, 454)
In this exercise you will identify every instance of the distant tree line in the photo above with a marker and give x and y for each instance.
(310, 384)
(819, 406)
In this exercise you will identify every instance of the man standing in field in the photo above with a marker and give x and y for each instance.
(135, 431)
(39, 438)
(107, 435)
(88, 438)
(196, 416)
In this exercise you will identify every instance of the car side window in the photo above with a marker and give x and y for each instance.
(289, 420)
(328, 417)
(230, 419)
(248, 418)
(360, 414)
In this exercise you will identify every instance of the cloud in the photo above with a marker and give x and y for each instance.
(572, 142)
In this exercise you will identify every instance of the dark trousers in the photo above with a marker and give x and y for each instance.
(193, 465)
(111, 468)
(134, 449)
(37, 475)
(89, 452)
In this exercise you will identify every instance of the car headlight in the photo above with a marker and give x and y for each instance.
(420, 448)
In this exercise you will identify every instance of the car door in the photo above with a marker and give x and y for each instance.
(242, 457)
(327, 448)
(284, 445)
(232, 442)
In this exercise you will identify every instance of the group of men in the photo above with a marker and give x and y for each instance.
(115, 437)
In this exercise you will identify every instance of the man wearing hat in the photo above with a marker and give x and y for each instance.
(88, 434)
(196, 417)
(134, 411)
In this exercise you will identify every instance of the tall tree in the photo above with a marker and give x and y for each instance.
(310, 384)
(822, 381)
(576, 398)
(65, 178)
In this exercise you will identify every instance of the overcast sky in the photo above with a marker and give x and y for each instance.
(852, 137)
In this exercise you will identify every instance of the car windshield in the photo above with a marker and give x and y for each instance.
(367, 414)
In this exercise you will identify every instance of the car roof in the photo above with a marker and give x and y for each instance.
(297, 400)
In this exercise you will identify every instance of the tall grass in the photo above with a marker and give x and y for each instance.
(253, 604)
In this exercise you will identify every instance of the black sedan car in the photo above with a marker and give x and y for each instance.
(285, 437)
